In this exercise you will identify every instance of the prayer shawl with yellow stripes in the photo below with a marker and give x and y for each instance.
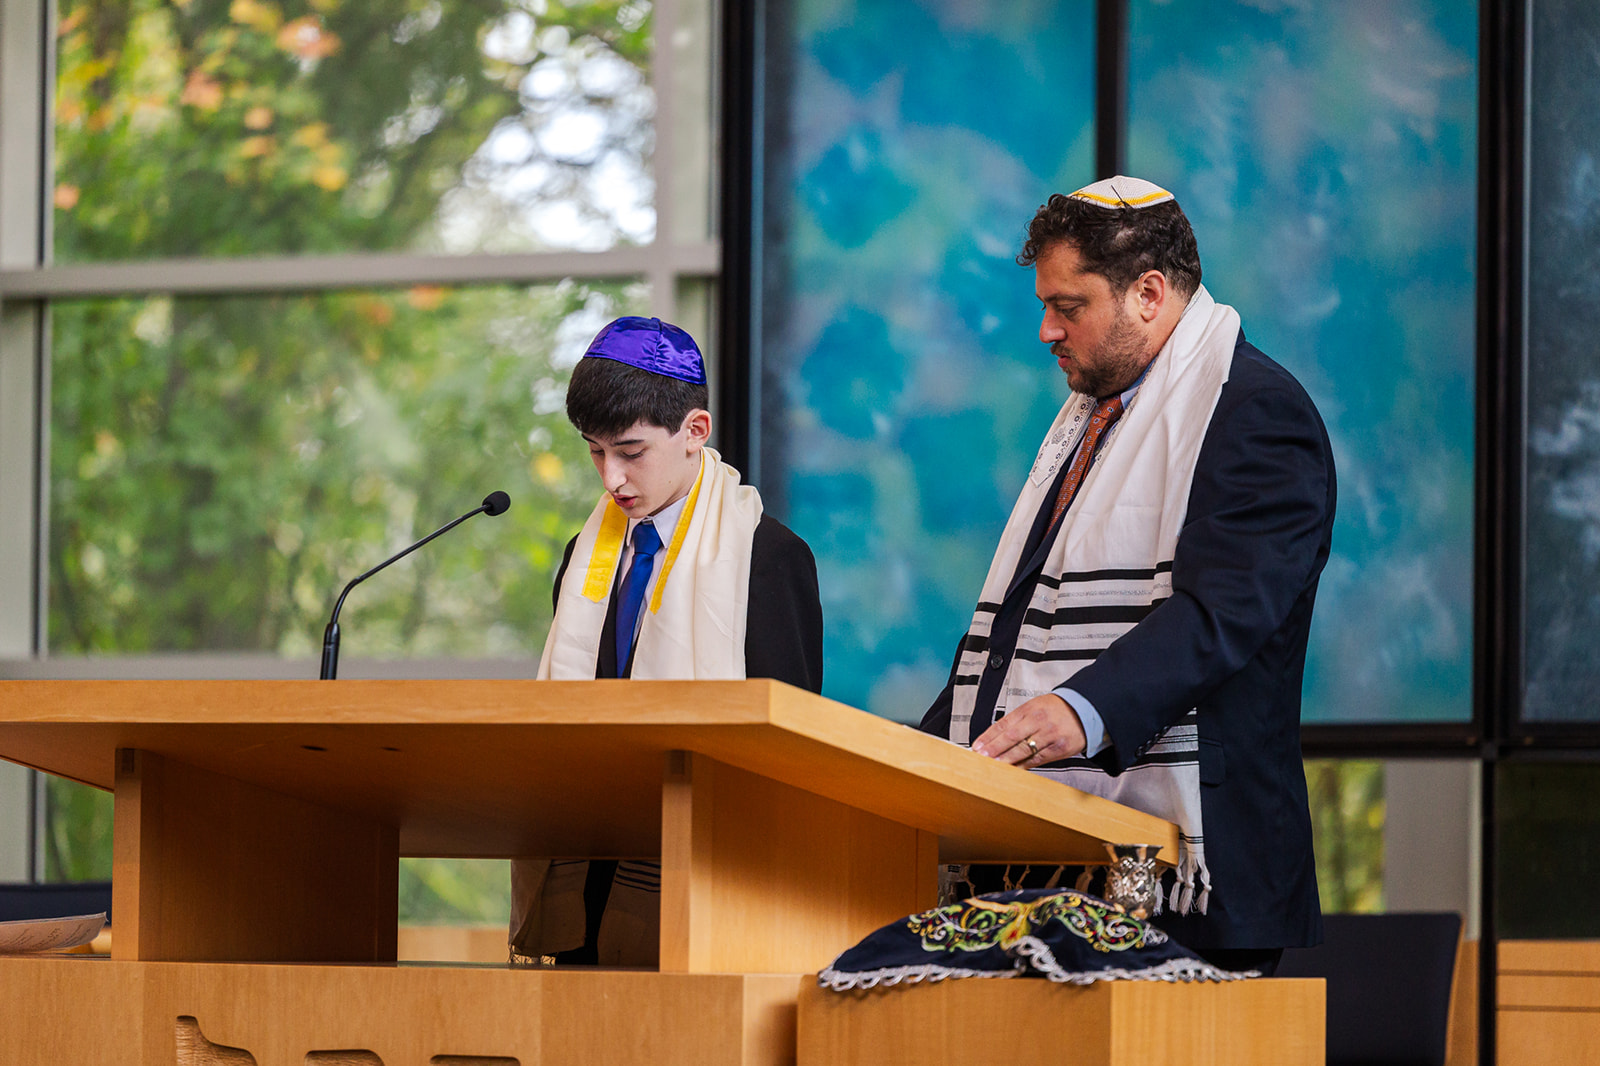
(693, 629)
(1110, 565)
(694, 625)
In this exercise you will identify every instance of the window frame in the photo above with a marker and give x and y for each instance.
(685, 165)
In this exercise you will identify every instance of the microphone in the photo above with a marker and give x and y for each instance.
(495, 503)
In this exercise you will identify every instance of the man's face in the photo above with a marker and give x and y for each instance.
(1100, 346)
(646, 467)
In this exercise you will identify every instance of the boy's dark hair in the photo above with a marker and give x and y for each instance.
(606, 397)
(1119, 243)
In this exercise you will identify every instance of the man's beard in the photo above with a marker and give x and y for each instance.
(1116, 362)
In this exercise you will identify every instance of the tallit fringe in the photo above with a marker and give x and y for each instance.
(1183, 897)
(890, 976)
(1037, 954)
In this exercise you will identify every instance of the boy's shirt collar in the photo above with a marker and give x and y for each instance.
(666, 522)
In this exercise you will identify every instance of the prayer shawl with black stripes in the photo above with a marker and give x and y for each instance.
(1111, 564)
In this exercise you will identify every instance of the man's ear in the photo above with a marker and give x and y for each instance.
(697, 425)
(1150, 292)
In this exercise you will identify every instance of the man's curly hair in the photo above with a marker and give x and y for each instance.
(1118, 243)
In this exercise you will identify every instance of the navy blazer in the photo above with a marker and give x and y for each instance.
(1231, 641)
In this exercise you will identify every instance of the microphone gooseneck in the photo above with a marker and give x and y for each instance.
(496, 503)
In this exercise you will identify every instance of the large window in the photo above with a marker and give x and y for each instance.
(237, 127)
(300, 281)
(287, 284)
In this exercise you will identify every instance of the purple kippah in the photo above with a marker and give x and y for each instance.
(653, 345)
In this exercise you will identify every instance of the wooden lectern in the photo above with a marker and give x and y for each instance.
(261, 823)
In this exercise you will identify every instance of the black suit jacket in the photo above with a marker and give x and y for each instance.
(1230, 641)
(783, 621)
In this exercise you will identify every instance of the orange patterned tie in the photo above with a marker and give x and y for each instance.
(1104, 415)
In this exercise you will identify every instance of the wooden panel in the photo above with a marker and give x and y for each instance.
(688, 923)
(507, 768)
(1549, 990)
(209, 868)
(70, 1011)
(1548, 999)
(1461, 1049)
(1547, 1038)
(1276, 1021)
(127, 1014)
(1004, 1022)
(452, 943)
(1549, 956)
(760, 877)
(954, 1023)
(770, 1011)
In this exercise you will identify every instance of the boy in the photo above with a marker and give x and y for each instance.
(677, 574)
(638, 397)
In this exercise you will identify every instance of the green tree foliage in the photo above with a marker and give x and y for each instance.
(221, 466)
(1347, 819)
(455, 891)
(248, 127)
(77, 838)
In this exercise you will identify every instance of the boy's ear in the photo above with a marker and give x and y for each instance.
(698, 425)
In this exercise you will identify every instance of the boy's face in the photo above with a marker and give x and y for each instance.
(647, 467)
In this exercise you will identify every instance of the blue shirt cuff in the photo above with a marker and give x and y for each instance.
(1094, 727)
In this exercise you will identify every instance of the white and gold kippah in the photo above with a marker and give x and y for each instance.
(1122, 191)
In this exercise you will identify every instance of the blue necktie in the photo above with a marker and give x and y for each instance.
(646, 542)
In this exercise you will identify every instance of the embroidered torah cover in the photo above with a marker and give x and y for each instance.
(1062, 935)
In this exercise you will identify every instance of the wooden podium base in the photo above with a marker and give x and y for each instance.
(1002, 1022)
(71, 1010)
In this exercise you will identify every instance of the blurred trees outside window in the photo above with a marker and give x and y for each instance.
(250, 127)
(219, 464)
(1347, 822)
(221, 467)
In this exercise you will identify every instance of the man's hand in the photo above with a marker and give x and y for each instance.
(1048, 721)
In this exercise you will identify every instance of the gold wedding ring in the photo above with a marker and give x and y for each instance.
(1031, 745)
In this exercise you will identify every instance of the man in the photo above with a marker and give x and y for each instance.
(1142, 630)
(676, 574)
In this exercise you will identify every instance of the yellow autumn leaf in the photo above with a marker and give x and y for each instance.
(264, 18)
(548, 468)
(425, 297)
(328, 177)
(311, 135)
(305, 38)
(201, 92)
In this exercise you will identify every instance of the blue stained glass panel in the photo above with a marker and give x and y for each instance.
(1328, 161)
(1327, 156)
(904, 389)
(1562, 561)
